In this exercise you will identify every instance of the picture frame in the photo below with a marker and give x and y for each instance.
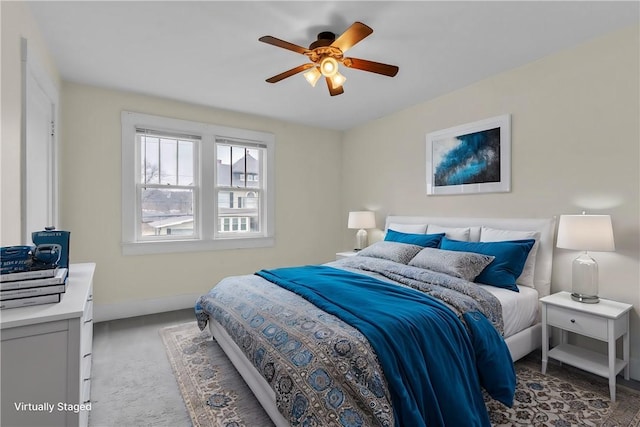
(470, 158)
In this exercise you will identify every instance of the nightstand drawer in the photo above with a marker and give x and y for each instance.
(575, 321)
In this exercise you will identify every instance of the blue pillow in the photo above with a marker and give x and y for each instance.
(503, 271)
(424, 240)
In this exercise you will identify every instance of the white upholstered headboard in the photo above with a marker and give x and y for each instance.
(545, 226)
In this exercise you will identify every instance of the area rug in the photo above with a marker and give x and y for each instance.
(215, 394)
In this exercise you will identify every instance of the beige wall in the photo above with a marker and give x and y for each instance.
(308, 222)
(17, 23)
(575, 121)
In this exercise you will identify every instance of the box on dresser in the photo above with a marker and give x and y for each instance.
(51, 236)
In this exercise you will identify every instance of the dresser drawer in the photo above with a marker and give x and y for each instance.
(575, 321)
(88, 312)
(86, 334)
(85, 372)
(86, 391)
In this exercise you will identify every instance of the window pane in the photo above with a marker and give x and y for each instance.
(242, 207)
(168, 161)
(224, 199)
(150, 160)
(223, 165)
(253, 167)
(238, 167)
(166, 212)
(185, 163)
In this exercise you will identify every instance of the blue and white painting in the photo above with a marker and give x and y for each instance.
(473, 158)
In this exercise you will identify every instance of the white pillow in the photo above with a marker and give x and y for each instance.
(409, 228)
(494, 235)
(450, 232)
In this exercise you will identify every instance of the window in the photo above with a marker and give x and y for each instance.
(167, 184)
(190, 186)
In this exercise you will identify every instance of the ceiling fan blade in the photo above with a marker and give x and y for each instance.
(334, 91)
(283, 44)
(354, 34)
(371, 66)
(289, 73)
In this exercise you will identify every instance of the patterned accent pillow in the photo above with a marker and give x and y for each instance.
(466, 265)
(392, 251)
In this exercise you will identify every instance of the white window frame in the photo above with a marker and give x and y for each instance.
(194, 188)
(205, 235)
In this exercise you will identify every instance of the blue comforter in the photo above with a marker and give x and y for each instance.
(434, 365)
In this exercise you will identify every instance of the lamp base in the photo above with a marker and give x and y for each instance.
(361, 239)
(585, 279)
(587, 299)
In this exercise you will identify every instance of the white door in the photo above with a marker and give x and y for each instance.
(39, 166)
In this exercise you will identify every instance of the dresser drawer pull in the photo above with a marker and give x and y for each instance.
(87, 379)
(86, 355)
(86, 401)
(88, 321)
(573, 320)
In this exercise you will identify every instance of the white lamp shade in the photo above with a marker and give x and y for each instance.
(361, 219)
(586, 233)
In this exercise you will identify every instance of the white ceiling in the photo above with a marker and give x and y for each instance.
(207, 52)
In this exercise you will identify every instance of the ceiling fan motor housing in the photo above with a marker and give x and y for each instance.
(325, 38)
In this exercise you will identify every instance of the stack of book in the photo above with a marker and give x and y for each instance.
(35, 287)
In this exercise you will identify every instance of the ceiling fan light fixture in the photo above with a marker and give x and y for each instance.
(326, 53)
(328, 66)
(312, 76)
(338, 80)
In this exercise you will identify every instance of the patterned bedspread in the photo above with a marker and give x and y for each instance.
(323, 371)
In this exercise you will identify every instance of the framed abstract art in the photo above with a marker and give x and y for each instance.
(470, 158)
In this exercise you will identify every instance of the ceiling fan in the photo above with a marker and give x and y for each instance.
(326, 53)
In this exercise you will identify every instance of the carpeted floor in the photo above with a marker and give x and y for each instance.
(215, 394)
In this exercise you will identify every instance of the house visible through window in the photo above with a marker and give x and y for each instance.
(193, 186)
(238, 171)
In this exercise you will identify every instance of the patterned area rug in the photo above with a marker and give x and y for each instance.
(216, 395)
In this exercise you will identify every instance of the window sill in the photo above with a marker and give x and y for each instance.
(163, 247)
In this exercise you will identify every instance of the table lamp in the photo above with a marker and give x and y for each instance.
(360, 220)
(585, 233)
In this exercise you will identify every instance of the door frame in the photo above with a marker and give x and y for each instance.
(31, 66)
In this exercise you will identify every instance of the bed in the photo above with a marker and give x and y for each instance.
(301, 360)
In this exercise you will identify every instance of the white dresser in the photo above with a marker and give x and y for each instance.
(46, 357)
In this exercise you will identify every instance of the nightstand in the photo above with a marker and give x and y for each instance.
(606, 321)
(346, 254)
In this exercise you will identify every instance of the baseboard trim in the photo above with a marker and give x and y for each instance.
(125, 309)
